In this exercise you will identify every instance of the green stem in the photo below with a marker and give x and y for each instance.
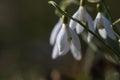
(116, 22)
(115, 27)
(101, 40)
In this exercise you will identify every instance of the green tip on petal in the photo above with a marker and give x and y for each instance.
(69, 39)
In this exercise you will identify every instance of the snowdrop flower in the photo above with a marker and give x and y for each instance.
(67, 40)
(104, 26)
(55, 32)
(82, 15)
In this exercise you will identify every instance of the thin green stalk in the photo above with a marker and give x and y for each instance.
(114, 27)
(116, 22)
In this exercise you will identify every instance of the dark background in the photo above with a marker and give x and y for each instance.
(25, 52)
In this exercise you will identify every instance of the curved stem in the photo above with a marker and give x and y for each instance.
(116, 22)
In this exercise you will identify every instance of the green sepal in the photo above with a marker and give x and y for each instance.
(65, 19)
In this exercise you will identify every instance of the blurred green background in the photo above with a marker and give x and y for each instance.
(25, 52)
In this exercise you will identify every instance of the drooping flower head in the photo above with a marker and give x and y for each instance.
(83, 16)
(103, 25)
(67, 40)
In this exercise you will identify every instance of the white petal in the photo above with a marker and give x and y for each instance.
(62, 41)
(98, 23)
(79, 29)
(95, 23)
(75, 46)
(119, 40)
(90, 22)
(55, 32)
(108, 28)
(82, 14)
(91, 27)
(55, 52)
(75, 52)
(103, 33)
(72, 23)
(75, 39)
(98, 20)
(90, 36)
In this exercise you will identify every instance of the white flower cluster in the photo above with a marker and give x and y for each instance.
(64, 39)
(64, 36)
